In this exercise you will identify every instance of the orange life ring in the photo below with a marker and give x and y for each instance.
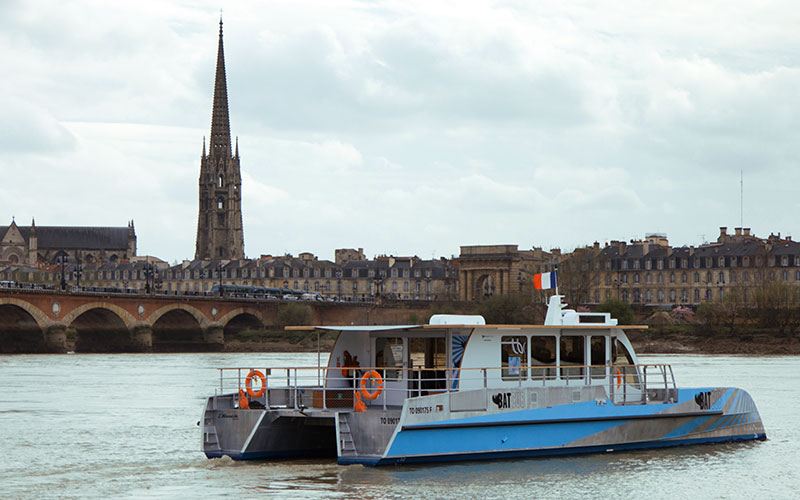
(248, 383)
(619, 378)
(371, 375)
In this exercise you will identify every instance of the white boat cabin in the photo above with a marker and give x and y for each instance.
(456, 353)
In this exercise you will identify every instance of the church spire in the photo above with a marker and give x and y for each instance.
(220, 141)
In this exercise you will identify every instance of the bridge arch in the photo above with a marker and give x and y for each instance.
(127, 318)
(178, 327)
(22, 327)
(198, 315)
(42, 321)
(240, 319)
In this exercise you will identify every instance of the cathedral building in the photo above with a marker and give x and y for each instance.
(219, 221)
(32, 245)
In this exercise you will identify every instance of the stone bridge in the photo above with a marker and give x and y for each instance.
(38, 320)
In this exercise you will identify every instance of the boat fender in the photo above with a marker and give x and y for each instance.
(248, 383)
(359, 405)
(244, 403)
(372, 376)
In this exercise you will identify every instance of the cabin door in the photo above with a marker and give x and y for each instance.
(390, 361)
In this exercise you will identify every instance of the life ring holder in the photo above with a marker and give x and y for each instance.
(248, 383)
(372, 375)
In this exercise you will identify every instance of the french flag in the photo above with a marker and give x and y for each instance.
(545, 281)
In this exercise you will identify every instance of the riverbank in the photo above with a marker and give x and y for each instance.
(690, 341)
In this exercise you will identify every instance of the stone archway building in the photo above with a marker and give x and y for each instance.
(486, 270)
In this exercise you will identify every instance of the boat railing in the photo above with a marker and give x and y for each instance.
(338, 388)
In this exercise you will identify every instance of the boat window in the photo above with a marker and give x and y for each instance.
(597, 349)
(389, 354)
(427, 363)
(514, 357)
(623, 362)
(427, 353)
(572, 353)
(543, 358)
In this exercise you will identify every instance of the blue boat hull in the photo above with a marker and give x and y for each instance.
(589, 427)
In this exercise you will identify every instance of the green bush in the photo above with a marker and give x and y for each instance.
(295, 315)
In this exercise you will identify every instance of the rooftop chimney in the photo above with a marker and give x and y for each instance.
(738, 231)
(723, 231)
(746, 231)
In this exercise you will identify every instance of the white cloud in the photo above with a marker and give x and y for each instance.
(404, 127)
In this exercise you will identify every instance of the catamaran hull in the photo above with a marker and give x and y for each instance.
(572, 429)
(261, 434)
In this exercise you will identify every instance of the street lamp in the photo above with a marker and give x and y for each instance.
(219, 275)
(78, 269)
(63, 257)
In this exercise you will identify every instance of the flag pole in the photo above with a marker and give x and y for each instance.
(555, 270)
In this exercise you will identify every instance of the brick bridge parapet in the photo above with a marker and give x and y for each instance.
(54, 312)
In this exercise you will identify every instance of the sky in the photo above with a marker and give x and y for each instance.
(406, 127)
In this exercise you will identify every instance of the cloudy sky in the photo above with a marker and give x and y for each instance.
(406, 127)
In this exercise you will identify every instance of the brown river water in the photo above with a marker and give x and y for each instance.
(124, 426)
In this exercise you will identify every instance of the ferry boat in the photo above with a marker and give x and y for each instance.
(458, 389)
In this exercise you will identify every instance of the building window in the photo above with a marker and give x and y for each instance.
(684, 263)
(721, 277)
(733, 261)
(394, 273)
(708, 277)
(697, 263)
(636, 264)
(696, 295)
(648, 296)
(683, 278)
(648, 265)
(660, 278)
(697, 277)
(746, 261)
(608, 279)
(660, 264)
(785, 276)
(328, 272)
(636, 278)
(295, 273)
(672, 295)
(684, 296)
(220, 204)
(785, 260)
(405, 286)
(624, 264)
(220, 181)
(721, 262)
(672, 263)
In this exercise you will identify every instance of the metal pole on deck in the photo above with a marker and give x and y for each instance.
(318, 361)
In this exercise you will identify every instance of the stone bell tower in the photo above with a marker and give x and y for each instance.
(219, 222)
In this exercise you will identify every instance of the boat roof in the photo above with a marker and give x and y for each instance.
(381, 328)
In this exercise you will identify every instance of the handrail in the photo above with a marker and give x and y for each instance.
(626, 384)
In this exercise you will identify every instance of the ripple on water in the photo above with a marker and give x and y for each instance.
(123, 426)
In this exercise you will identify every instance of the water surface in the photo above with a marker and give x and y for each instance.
(124, 426)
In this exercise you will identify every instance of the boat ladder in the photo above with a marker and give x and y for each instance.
(346, 446)
(210, 439)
